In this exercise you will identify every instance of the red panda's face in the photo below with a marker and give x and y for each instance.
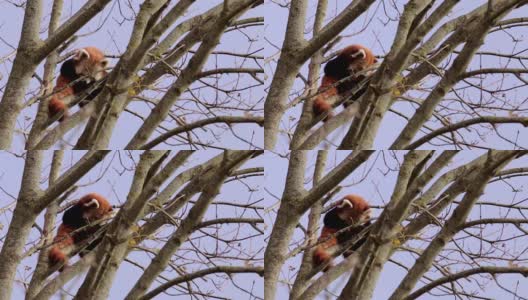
(358, 57)
(95, 207)
(90, 62)
(354, 210)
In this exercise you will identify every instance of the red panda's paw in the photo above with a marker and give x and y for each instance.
(365, 216)
(57, 257)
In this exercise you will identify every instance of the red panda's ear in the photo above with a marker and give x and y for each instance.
(81, 54)
(92, 202)
(375, 60)
(346, 202)
(359, 54)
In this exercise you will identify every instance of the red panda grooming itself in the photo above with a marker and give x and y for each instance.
(349, 63)
(351, 210)
(76, 75)
(89, 208)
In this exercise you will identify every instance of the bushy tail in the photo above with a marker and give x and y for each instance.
(56, 106)
(62, 245)
(327, 96)
(320, 257)
(322, 254)
(320, 106)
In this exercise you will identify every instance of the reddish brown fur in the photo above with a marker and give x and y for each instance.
(92, 67)
(358, 214)
(328, 92)
(66, 238)
(321, 255)
(62, 241)
(56, 106)
(358, 65)
(354, 214)
(92, 214)
(61, 91)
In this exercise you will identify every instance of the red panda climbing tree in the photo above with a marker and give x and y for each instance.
(78, 228)
(429, 211)
(349, 217)
(178, 73)
(454, 80)
(341, 75)
(76, 76)
(160, 200)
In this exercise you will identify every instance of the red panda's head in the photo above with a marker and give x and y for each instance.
(353, 209)
(358, 57)
(91, 62)
(94, 207)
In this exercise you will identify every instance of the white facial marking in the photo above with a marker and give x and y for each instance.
(361, 53)
(82, 54)
(346, 202)
(92, 202)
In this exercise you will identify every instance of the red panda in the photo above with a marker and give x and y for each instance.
(351, 210)
(89, 208)
(88, 62)
(350, 61)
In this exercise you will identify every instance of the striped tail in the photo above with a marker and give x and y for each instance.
(62, 246)
(56, 106)
(327, 96)
(322, 254)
